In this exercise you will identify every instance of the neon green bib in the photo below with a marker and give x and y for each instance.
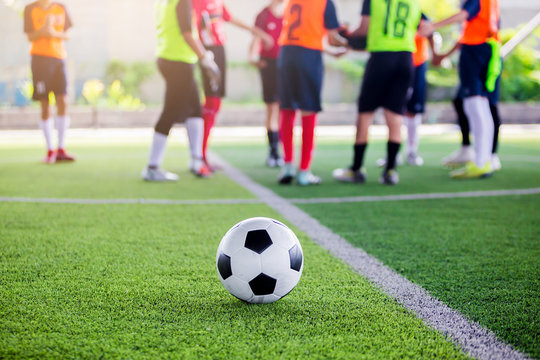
(393, 25)
(171, 45)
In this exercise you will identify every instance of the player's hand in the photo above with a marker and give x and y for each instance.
(437, 60)
(259, 64)
(339, 52)
(209, 66)
(267, 41)
(337, 40)
(426, 28)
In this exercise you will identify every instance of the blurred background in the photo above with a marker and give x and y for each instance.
(111, 60)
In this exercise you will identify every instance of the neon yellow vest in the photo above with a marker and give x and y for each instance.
(171, 45)
(393, 25)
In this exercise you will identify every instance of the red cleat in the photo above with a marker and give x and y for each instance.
(62, 155)
(50, 158)
(203, 172)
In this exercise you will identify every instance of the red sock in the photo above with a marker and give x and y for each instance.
(308, 137)
(286, 130)
(210, 110)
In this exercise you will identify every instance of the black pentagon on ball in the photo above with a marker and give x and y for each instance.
(258, 241)
(263, 285)
(296, 258)
(224, 266)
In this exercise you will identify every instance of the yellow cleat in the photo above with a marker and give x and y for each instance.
(471, 171)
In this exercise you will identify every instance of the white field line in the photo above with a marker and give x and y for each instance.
(470, 336)
(334, 200)
(469, 194)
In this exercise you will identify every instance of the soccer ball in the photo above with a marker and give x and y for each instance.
(259, 260)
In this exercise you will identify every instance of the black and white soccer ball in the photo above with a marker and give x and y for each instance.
(259, 260)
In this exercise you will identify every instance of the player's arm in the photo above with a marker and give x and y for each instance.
(31, 33)
(206, 58)
(266, 39)
(438, 58)
(469, 10)
(332, 25)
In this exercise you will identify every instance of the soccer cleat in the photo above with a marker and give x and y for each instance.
(306, 178)
(158, 175)
(459, 157)
(287, 174)
(471, 171)
(414, 160)
(389, 177)
(212, 168)
(50, 158)
(203, 171)
(350, 176)
(62, 155)
(382, 161)
(495, 162)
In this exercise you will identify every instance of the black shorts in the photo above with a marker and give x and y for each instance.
(221, 61)
(387, 79)
(269, 77)
(417, 100)
(181, 94)
(49, 75)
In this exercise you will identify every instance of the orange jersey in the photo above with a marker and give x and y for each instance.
(421, 55)
(484, 26)
(305, 23)
(35, 17)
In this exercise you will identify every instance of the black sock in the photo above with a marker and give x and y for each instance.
(358, 161)
(392, 149)
(273, 141)
(463, 122)
(497, 123)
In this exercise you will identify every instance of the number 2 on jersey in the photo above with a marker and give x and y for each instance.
(296, 9)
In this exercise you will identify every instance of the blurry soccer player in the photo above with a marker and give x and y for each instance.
(305, 25)
(416, 102)
(178, 50)
(391, 28)
(269, 20)
(46, 24)
(479, 68)
(465, 153)
(211, 16)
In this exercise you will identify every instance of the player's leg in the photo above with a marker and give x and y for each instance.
(371, 92)
(169, 115)
(473, 64)
(269, 78)
(465, 153)
(311, 71)
(413, 117)
(401, 69)
(495, 161)
(41, 73)
(212, 103)
(59, 87)
(288, 92)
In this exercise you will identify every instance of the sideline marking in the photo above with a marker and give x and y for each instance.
(335, 200)
(470, 336)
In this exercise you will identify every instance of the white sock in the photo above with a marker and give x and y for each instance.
(157, 151)
(47, 127)
(481, 123)
(62, 124)
(195, 131)
(413, 137)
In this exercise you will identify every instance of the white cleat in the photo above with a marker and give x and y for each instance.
(495, 162)
(158, 175)
(414, 160)
(459, 157)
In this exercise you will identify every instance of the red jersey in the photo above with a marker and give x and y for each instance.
(421, 55)
(272, 25)
(211, 16)
(483, 26)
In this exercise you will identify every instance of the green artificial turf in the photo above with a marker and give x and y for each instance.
(480, 256)
(139, 281)
(105, 172)
(520, 160)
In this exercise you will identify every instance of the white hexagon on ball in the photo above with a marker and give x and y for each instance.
(259, 260)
